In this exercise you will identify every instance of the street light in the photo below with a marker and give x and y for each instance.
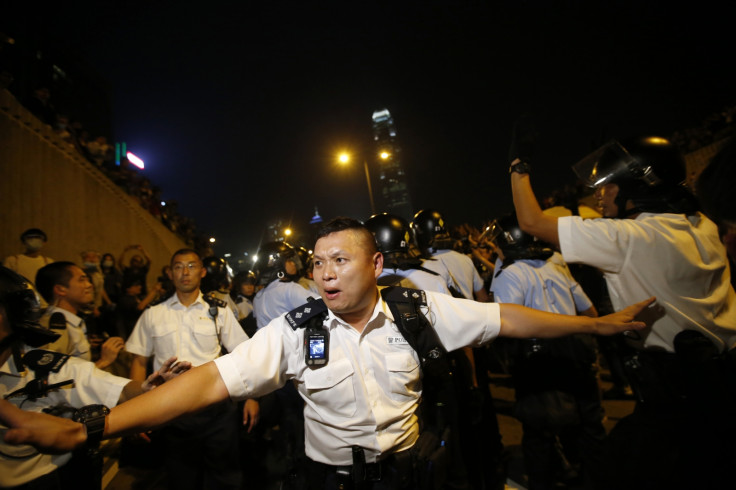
(344, 159)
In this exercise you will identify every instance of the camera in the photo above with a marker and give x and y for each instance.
(316, 346)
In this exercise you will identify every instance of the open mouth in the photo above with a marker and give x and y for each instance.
(332, 293)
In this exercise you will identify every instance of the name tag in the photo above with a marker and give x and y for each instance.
(396, 340)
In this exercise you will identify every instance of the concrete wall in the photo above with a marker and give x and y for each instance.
(45, 183)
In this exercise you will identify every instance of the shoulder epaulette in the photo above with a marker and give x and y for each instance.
(403, 295)
(298, 317)
(45, 361)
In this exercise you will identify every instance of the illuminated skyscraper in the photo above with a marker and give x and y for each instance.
(393, 193)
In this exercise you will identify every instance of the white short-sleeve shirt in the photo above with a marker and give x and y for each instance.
(91, 386)
(187, 332)
(367, 394)
(679, 260)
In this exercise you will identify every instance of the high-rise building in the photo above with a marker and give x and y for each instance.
(393, 192)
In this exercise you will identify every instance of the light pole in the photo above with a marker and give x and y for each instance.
(344, 159)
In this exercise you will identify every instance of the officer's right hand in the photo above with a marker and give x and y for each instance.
(45, 432)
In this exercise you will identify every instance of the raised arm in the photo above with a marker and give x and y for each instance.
(531, 218)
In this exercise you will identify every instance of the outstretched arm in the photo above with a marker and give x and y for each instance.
(531, 218)
(521, 322)
(193, 391)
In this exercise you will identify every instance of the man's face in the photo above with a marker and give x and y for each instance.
(80, 291)
(187, 272)
(606, 196)
(345, 272)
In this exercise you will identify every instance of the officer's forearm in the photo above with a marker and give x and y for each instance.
(192, 391)
(528, 212)
(521, 322)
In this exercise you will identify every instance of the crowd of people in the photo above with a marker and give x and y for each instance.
(338, 347)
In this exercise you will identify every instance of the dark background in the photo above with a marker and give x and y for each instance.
(239, 108)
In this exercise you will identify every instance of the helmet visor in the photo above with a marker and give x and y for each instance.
(609, 163)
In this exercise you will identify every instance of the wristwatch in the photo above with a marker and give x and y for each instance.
(521, 167)
(93, 417)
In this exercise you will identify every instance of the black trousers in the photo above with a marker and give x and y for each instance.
(201, 450)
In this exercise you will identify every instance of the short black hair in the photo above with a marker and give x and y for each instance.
(342, 223)
(52, 274)
(183, 251)
(32, 232)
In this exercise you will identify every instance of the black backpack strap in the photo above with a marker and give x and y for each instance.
(312, 309)
(404, 304)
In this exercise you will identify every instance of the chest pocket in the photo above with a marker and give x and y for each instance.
(204, 334)
(164, 339)
(330, 388)
(403, 372)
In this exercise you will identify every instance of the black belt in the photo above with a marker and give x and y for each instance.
(360, 471)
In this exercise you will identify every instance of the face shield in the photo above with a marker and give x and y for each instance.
(612, 163)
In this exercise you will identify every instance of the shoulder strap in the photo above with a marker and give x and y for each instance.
(404, 304)
(300, 317)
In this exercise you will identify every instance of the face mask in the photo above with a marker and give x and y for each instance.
(90, 265)
(34, 244)
(108, 263)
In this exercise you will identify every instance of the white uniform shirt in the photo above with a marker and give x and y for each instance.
(187, 332)
(91, 386)
(545, 285)
(73, 340)
(463, 276)
(681, 261)
(278, 298)
(367, 394)
(414, 279)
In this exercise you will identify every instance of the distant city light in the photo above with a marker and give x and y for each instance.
(384, 155)
(212, 239)
(134, 160)
(227, 255)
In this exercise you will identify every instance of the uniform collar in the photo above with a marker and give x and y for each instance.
(174, 301)
(71, 318)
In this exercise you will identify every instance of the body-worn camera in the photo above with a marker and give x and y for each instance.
(316, 346)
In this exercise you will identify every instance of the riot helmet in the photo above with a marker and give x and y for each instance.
(22, 309)
(429, 232)
(391, 233)
(649, 172)
(271, 263)
(516, 244)
(218, 274)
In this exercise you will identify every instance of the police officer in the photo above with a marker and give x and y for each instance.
(276, 270)
(400, 268)
(37, 380)
(434, 241)
(654, 242)
(529, 273)
(362, 400)
(216, 283)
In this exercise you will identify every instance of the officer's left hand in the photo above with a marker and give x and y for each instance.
(251, 413)
(166, 372)
(623, 320)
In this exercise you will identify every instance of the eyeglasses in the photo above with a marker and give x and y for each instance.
(191, 266)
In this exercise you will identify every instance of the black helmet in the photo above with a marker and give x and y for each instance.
(649, 171)
(391, 233)
(515, 244)
(22, 309)
(271, 263)
(428, 229)
(218, 274)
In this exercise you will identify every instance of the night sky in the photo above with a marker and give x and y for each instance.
(239, 109)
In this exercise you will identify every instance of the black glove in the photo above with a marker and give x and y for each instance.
(523, 139)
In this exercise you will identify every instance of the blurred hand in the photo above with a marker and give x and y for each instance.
(48, 434)
(110, 349)
(251, 414)
(168, 371)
